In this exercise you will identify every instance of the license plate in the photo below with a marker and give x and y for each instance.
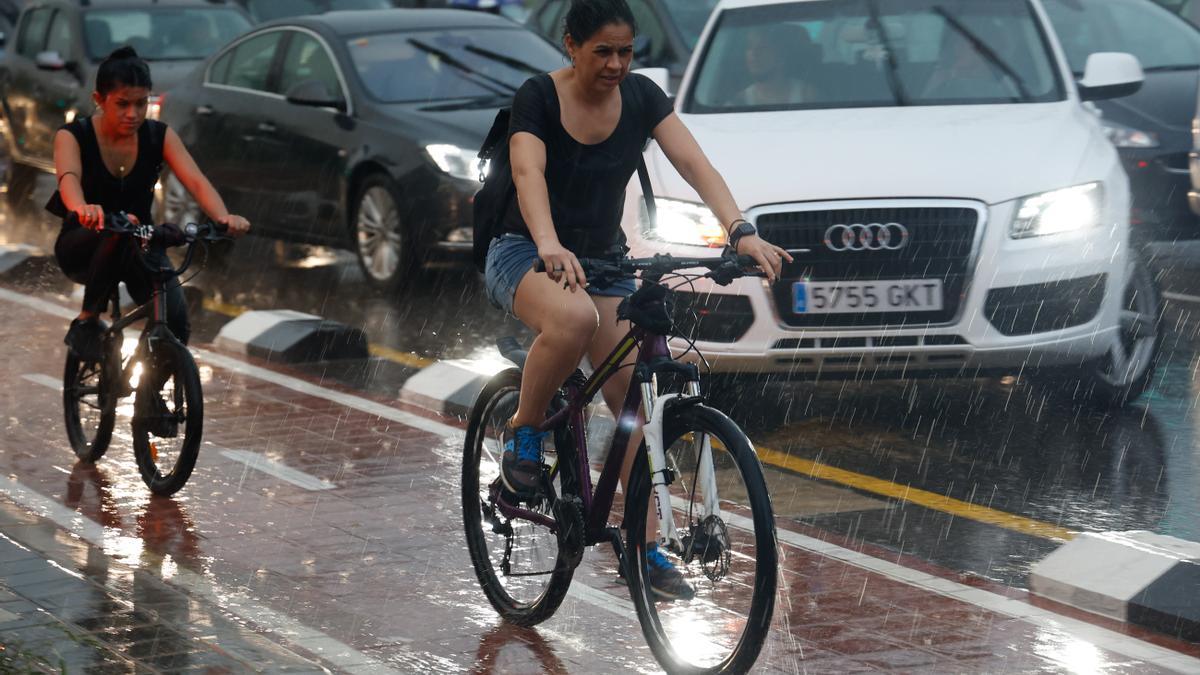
(858, 297)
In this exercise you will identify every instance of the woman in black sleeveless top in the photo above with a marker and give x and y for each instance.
(110, 162)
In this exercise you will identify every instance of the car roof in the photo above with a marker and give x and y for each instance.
(362, 22)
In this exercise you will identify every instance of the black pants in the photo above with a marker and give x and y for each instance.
(100, 261)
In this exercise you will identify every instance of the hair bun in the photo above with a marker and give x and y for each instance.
(123, 52)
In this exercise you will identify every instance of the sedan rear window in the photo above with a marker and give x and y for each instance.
(855, 53)
(422, 66)
(162, 33)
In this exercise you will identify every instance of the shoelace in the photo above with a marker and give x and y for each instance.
(529, 444)
(655, 557)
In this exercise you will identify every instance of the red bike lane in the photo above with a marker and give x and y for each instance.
(328, 521)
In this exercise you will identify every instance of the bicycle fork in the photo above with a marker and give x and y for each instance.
(661, 474)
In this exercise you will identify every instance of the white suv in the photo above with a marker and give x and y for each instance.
(953, 202)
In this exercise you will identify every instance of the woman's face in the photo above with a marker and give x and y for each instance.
(124, 108)
(602, 61)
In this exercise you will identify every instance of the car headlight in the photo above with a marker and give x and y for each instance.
(456, 161)
(680, 222)
(1128, 137)
(1067, 210)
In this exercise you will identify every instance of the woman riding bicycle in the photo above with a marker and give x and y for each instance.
(110, 162)
(575, 138)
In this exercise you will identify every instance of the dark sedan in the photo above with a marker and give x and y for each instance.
(355, 129)
(1152, 129)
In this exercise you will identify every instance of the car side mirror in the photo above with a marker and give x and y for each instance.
(314, 94)
(659, 76)
(1110, 75)
(50, 61)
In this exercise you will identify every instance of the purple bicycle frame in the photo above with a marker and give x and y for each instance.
(598, 504)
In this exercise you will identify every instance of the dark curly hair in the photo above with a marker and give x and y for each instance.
(122, 68)
(588, 16)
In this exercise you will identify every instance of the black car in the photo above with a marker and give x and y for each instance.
(49, 70)
(1152, 129)
(667, 29)
(355, 129)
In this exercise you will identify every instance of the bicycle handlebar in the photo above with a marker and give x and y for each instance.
(166, 235)
(723, 269)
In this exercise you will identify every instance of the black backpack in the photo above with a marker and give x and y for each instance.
(492, 200)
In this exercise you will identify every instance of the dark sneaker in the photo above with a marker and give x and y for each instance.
(152, 411)
(666, 581)
(85, 338)
(521, 464)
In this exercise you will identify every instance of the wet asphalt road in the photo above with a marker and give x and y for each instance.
(1019, 446)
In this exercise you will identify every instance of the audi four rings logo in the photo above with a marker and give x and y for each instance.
(870, 237)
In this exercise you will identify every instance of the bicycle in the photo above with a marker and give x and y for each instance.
(699, 466)
(158, 366)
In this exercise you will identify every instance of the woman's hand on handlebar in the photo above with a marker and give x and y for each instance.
(235, 226)
(766, 255)
(562, 265)
(91, 216)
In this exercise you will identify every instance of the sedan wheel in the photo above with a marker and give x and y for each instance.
(1126, 370)
(383, 249)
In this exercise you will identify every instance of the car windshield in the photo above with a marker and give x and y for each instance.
(1159, 39)
(690, 16)
(874, 53)
(162, 33)
(266, 10)
(441, 65)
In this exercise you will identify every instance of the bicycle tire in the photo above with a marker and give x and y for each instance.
(89, 444)
(511, 609)
(745, 650)
(174, 359)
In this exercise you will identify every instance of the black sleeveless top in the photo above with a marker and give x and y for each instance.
(135, 192)
(586, 183)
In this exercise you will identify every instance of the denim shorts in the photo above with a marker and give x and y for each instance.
(511, 256)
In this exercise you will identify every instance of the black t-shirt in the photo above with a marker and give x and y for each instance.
(586, 183)
(135, 192)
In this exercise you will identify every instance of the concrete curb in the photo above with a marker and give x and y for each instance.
(451, 387)
(291, 337)
(1145, 579)
(12, 255)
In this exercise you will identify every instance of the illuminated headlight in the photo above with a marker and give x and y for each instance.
(456, 161)
(154, 109)
(680, 222)
(1067, 210)
(1128, 137)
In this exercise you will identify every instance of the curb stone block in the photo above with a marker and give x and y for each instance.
(292, 337)
(1146, 579)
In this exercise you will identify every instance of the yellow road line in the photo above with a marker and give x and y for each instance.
(931, 500)
(396, 356)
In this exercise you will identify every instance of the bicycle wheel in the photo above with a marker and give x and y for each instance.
(730, 558)
(89, 408)
(520, 564)
(166, 431)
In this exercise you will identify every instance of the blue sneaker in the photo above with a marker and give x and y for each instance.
(665, 580)
(521, 463)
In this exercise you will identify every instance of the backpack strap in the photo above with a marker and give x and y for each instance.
(643, 172)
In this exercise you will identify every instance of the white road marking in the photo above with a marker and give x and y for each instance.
(44, 380)
(260, 462)
(1102, 637)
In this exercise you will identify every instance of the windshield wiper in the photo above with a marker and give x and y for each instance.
(515, 64)
(476, 103)
(1170, 68)
(983, 50)
(893, 72)
(465, 69)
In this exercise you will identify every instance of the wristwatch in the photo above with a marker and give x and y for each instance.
(743, 229)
